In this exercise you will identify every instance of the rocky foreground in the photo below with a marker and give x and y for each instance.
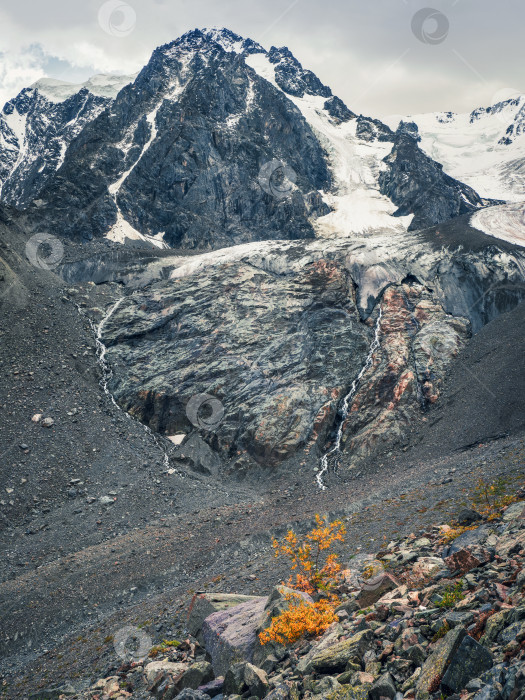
(437, 614)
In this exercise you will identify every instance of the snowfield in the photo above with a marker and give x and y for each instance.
(506, 222)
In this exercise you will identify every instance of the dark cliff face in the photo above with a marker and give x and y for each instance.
(36, 133)
(191, 141)
(202, 151)
(418, 185)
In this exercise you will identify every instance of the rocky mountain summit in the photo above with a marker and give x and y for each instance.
(37, 126)
(215, 143)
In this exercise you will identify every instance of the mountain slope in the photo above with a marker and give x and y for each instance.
(37, 126)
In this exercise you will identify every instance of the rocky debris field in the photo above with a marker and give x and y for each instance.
(436, 614)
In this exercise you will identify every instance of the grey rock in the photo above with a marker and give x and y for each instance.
(198, 674)
(467, 516)
(230, 635)
(438, 661)
(188, 694)
(489, 692)
(383, 687)
(470, 661)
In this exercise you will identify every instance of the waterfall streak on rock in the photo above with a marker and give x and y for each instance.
(331, 456)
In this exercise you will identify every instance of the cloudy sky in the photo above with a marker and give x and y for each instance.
(381, 56)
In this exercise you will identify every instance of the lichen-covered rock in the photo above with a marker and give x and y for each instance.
(336, 657)
(436, 664)
(470, 661)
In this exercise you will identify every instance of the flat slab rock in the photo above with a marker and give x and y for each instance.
(205, 604)
(230, 635)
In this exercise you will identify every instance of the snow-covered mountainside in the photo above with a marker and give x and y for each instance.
(485, 149)
(37, 126)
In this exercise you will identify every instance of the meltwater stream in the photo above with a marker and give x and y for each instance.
(331, 456)
(107, 372)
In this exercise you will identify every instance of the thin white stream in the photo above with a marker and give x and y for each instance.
(330, 457)
(107, 372)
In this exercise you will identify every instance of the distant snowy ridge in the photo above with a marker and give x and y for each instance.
(484, 148)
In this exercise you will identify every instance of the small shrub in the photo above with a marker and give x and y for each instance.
(316, 570)
(451, 595)
(316, 573)
(302, 619)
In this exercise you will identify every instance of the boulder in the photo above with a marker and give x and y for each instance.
(230, 635)
(335, 657)
(427, 566)
(467, 516)
(204, 604)
(375, 588)
(509, 544)
(514, 512)
(436, 664)
(198, 674)
(213, 688)
(256, 680)
(153, 669)
(470, 661)
(468, 538)
(462, 560)
(383, 687)
(234, 683)
(494, 626)
(188, 694)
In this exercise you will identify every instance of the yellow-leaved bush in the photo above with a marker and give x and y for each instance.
(315, 571)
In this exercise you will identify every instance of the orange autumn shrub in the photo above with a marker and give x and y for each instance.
(316, 570)
(300, 620)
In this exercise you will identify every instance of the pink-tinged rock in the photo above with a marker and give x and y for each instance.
(462, 560)
(374, 589)
(230, 635)
(204, 604)
(501, 590)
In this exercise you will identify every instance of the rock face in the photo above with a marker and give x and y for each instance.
(186, 156)
(274, 335)
(418, 185)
